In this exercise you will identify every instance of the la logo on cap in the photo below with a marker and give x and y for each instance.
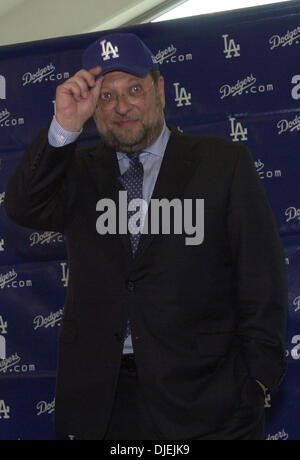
(108, 49)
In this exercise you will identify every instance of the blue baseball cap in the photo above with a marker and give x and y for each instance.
(119, 51)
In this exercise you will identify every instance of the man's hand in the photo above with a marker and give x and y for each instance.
(76, 99)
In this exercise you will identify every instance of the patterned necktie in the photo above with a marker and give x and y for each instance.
(132, 181)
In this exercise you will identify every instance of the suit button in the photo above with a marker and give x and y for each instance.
(130, 285)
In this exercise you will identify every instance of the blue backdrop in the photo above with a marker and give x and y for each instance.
(232, 74)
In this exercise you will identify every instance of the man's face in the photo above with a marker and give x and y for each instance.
(129, 114)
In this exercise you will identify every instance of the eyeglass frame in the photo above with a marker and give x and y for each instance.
(133, 99)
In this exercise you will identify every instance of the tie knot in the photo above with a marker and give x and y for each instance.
(133, 155)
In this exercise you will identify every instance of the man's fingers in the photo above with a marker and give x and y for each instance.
(82, 82)
(81, 86)
(88, 75)
(97, 88)
(72, 87)
(96, 70)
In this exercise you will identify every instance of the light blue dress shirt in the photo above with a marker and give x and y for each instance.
(150, 158)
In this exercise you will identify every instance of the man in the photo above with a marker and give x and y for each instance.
(162, 337)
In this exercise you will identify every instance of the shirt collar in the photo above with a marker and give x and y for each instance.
(157, 148)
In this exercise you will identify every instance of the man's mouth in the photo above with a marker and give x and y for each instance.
(126, 123)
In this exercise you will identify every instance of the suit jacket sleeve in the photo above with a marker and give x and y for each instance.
(260, 273)
(37, 193)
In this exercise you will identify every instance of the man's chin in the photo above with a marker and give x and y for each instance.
(132, 140)
(125, 143)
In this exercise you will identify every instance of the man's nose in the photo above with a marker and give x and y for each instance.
(122, 104)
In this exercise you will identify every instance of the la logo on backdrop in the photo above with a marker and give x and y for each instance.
(238, 132)
(231, 49)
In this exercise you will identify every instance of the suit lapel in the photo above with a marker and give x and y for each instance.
(179, 163)
(104, 169)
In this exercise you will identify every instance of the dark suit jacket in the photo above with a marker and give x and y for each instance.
(205, 319)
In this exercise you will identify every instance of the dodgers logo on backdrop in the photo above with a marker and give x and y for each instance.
(165, 55)
(292, 213)
(6, 120)
(7, 364)
(45, 238)
(41, 74)
(2, 87)
(53, 319)
(266, 174)
(279, 436)
(170, 55)
(43, 407)
(231, 49)
(45, 73)
(289, 38)
(246, 85)
(238, 133)
(239, 88)
(13, 365)
(108, 49)
(4, 115)
(296, 303)
(289, 125)
(9, 280)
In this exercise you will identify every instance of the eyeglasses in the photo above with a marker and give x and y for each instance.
(134, 94)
